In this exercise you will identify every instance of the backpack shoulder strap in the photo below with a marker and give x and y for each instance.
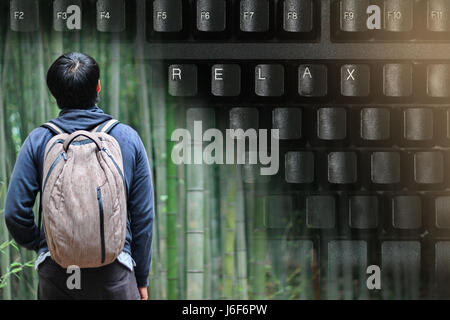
(106, 126)
(53, 128)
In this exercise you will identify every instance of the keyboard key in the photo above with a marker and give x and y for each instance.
(442, 211)
(438, 15)
(398, 15)
(407, 212)
(299, 167)
(355, 80)
(297, 15)
(110, 15)
(183, 80)
(269, 80)
(211, 15)
(438, 80)
(442, 269)
(363, 212)
(332, 123)
(353, 16)
(375, 124)
(312, 80)
(278, 214)
(428, 167)
(24, 15)
(254, 15)
(289, 122)
(418, 124)
(342, 167)
(397, 80)
(67, 15)
(226, 80)
(385, 167)
(401, 269)
(244, 118)
(320, 212)
(346, 272)
(168, 15)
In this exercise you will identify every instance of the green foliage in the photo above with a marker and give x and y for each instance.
(16, 267)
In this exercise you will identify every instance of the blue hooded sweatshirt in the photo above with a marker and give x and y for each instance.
(26, 181)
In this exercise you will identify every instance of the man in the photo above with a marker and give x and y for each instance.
(73, 80)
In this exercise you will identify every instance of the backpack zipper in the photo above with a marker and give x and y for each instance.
(102, 224)
(61, 156)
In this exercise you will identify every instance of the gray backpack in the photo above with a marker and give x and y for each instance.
(84, 197)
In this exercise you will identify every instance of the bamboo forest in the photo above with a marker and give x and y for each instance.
(209, 237)
(224, 231)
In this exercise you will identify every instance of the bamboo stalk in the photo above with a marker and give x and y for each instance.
(172, 210)
(158, 116)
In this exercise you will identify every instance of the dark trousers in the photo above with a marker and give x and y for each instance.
(111, 282)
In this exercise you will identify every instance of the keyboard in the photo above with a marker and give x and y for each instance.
(364, 128)
(359, 91)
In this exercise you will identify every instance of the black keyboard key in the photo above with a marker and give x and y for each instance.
(183, 80)
(438, 80)
(168, 15)
(299, 167)
(353, 16)
(206, 116)
(398, 15)
(211, 15)
(269, 80)
(346, 272)
(401, 269)
(254, 15)
(289, 123)
(244, 118)
(406, 212)
(375, 124)
(24, 15)
(438, 15)
(226, 80)
(442, 269)
(397, 80)
(355, 80)
(67, 15)
(385, 167)
(419, 124)
(342, 167)
(428, 167)
(111, 15)
(312, 80)
(332, 123)
(320, 212)
(364, 211)
(278, 214)
(442, 211)
(297, 15)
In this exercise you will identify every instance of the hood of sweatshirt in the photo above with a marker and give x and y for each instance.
(71, 120)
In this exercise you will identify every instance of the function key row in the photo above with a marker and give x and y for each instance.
(108, 16)
(232, 19)
(354, 20)
(345, 80)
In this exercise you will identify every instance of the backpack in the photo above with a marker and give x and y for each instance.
(84, 197)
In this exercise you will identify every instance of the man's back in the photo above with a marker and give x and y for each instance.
(26, 183)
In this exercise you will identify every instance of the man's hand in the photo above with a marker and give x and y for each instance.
(143, 293)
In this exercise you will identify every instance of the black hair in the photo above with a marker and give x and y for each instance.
(72, 80)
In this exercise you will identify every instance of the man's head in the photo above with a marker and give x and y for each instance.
(73, 79)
